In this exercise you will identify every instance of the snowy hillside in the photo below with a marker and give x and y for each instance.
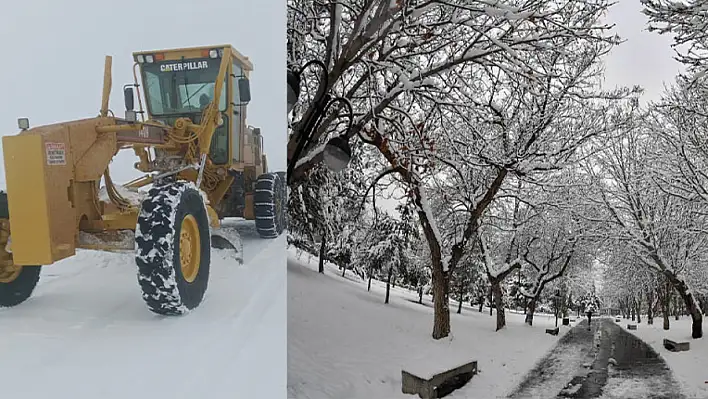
(344, 343)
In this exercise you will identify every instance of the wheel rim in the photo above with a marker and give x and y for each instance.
(189, 248)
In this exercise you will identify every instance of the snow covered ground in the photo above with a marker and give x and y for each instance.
(691, 367)
(344, 342)
(86, 332)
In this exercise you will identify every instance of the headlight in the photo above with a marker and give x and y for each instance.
(149, 59)
(140, 58)
(213, 54)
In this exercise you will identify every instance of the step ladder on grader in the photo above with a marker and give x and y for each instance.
(202, 166)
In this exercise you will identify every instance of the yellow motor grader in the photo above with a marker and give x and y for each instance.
(200, 162)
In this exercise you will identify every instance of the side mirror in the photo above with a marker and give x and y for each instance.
(244, 90)
(129, 98)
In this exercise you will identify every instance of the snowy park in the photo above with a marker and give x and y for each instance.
(485, 204)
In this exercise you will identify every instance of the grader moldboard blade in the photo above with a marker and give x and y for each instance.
(225, 237)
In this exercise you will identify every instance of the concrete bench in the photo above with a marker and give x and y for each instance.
(440, 384)
(617, 320)
(674, 346)
(631, 326)
(552, 331)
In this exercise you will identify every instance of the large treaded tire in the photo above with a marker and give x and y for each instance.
(269, 203)
(21, 288)
(157, 247)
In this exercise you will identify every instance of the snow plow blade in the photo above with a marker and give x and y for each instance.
(227, 237)
(124, 241)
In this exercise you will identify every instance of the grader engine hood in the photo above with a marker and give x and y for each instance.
(38, 169)
(51, 171)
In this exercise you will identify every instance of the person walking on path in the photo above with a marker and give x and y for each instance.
(589, 309)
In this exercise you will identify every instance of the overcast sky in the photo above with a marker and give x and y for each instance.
(645, 58)
(53, 55)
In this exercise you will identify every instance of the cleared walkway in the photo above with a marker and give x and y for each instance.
(601, 362)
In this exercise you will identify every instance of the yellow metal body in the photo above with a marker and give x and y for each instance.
(53, 172)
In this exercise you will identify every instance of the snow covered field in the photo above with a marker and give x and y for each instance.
(86, 333)
(343, 342)
(691, 367)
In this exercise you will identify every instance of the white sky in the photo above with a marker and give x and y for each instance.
(645, 58)
(53, 55)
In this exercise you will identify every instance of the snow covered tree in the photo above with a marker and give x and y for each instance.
(389, 242)
(500, 259)
(326, 209)
(418, 267)
(465, 279)
(664, 232)
(465, 93)
(548, 253)
(687, 21)
(377, 50)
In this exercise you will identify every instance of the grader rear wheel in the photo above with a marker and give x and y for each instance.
(270, 202)
(16, 282)
(173, 248)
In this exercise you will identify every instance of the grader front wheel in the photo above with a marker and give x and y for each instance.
(16, 282)
(173, 248)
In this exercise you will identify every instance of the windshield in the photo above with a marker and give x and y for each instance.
(179, 87)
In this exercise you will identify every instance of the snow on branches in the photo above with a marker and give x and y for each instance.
(377, 54)
(663, 231)
(687, 20)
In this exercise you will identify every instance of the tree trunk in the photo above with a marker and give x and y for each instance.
(690, 303)
(664, 293)
(481, 304)
(633, 308)
(344, 271)
(388, 283)
(420, 295)
(650, 310)
(490, 299)
(323, 247)
(639, 310)
(530, 311)
(371, 272)
(460, 288)
(703, 304)
(441, 302)
(499, 304)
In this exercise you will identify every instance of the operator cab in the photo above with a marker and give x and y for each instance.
(180, 83)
